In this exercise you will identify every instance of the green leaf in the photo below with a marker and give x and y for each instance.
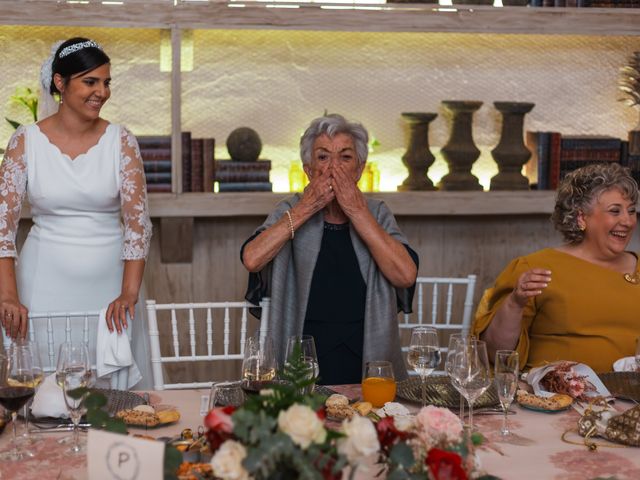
(477, 439)
(95, 400)
(402, 454)
(97, 418)
(13, 123)
(172, 461)
(78, 393)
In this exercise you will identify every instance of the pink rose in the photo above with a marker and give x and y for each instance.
(435, 425)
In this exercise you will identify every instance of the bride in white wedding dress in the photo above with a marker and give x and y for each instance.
(84, 179)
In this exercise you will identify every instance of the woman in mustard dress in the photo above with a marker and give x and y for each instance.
(579, 301)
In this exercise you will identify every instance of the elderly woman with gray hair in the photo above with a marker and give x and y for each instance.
(334, 262)
(579, 301)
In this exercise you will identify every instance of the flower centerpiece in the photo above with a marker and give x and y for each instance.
(281, 434)
(432, 445)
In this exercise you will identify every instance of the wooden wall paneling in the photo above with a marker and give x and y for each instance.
(176, 239)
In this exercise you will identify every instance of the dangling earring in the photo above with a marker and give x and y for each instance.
(582, 227)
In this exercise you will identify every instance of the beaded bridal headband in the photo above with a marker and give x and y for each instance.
(68, 50)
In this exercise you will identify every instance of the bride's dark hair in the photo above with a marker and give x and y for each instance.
(83, 59)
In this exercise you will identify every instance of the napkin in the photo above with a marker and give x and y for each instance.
(49, 400)
(626, 364)
(113, 353)
(536, 374)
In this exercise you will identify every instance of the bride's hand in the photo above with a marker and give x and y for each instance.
(118, 309)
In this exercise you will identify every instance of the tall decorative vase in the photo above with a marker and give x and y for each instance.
(460, 152)
(418, 158)
(511, 153)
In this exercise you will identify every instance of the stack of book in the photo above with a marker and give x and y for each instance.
(586, 3)
(197, 162)
(630, 160)
(235, 176)
(554, 155)
(155, 151)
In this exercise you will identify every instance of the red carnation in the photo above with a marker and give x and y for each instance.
(219, 426)
(388, 434)
(445, 465)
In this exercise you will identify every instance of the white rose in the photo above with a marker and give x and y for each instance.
(302, 425)
(227, 461)
(361, 439)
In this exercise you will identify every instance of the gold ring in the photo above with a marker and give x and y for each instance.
(123, 306)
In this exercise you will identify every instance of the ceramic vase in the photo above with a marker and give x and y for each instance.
(418, 158)
(460, 152)
(511, 153)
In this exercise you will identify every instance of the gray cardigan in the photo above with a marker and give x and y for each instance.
(287, 280)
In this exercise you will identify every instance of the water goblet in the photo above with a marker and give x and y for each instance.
(304, 348)
(16, 389)
(424, 354)
(506, 365)
(74, 389)
(378, 383)
(454, 340)
(259, 365)
(73, 359)
(470, 372)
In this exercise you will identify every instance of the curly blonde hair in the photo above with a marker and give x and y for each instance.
(580, 189)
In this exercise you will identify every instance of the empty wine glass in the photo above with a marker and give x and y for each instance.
(16, 388)
(424, 354)
(470, 372)
(454, 340)
(73, 359)
(507, 364)
(305, 347)
(259, 365)
(75, 378)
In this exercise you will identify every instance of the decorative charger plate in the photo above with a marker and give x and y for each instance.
(440, 393)
(623, 385)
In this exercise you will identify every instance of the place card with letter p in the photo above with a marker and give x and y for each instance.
(112, 456)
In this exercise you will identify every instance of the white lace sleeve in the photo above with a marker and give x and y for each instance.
(13, 184)
(133, 200)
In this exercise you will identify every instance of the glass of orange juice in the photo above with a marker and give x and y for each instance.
(378, 383)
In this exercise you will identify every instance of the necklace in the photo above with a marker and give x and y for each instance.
(633, 278)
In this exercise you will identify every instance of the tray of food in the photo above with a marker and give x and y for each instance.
(440, 393)
(556, 403)
(147, 416)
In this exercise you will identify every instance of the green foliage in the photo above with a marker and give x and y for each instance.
(271, 454)
(28, 98)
